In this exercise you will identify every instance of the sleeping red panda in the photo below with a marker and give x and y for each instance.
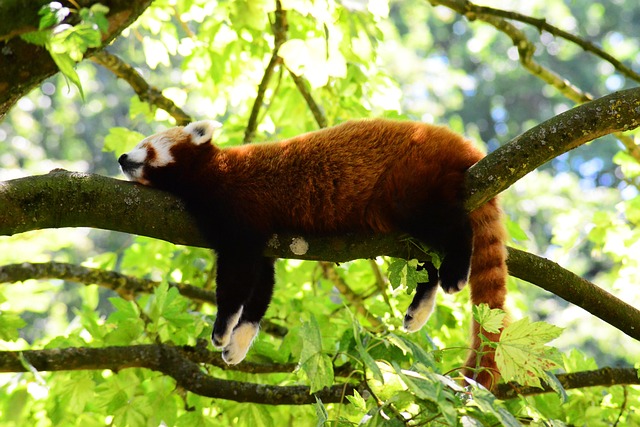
(374, 175)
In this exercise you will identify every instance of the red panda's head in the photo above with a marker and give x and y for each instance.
(161, 159)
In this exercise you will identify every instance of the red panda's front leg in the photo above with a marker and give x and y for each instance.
(253, 310)
(244, 288)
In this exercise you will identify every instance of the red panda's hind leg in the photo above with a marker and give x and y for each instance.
(455, 267)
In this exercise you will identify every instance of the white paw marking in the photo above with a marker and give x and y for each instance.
(416, 318)
(224, 339)
(241, 340)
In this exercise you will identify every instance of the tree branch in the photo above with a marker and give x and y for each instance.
(182, 364)
(617, 112)
(146, 92)
(605, 377)
(551, 277)
(126, 286)
(279, 28)
(543, 25)
(64, 199)
(24, 65)
(526, 49)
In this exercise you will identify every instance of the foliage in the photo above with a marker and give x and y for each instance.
(356, 59)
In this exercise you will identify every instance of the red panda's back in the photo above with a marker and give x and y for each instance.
(357, 175)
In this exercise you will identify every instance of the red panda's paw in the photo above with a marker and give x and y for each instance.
(241, 339)
(454, 272)
(222, 329)
(419, 312)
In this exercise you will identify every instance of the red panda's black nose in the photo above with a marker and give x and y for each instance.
(122, 159)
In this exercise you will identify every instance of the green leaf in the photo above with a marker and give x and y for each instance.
(321, 412)
(9, 325)
(52, 14)
(67, 67)
(358, 401)
(315, 364)
(403, 272)
(76, 391)
(491, 320)
(39, 38)
(121, 140)
(366, 358)
(255, 416)
(488, 404)
(522, 355)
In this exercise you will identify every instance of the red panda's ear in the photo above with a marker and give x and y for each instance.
(201, 132)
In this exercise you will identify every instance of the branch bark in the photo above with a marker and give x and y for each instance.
(144, 90)
(605, 377)
(24, 65)
(182, 364)
(64, 199)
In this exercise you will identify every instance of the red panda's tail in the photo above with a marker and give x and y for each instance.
(488, 283)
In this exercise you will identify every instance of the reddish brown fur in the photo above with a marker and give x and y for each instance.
(358, 176)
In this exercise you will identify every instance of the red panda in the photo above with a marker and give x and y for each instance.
(375, 176)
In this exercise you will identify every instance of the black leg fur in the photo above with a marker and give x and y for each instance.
(253, 310)
(423, 301)
(237, 276)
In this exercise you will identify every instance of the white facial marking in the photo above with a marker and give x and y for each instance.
(233, 321)
(161, 144)
(416, 318)
(202, 131)
(241, 341)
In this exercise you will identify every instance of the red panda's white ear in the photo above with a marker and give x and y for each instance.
(201, 132)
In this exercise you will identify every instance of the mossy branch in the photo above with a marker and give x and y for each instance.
(180, 363)
(66, 199)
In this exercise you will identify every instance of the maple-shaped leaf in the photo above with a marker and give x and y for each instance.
(522, 354)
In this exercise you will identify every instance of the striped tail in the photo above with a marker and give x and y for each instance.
(488, 283)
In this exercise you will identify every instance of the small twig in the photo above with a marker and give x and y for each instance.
(146, 92)
(279, 28)
(321, 120)
(526, 50)
(329, 270)
(543, 25)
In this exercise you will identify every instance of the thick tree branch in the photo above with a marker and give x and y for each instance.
(182, 364)
(617, 112)
(550, 276)
(24, 65)
(126, 286)
(605, 377)
(146, 92)
(63, 199)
